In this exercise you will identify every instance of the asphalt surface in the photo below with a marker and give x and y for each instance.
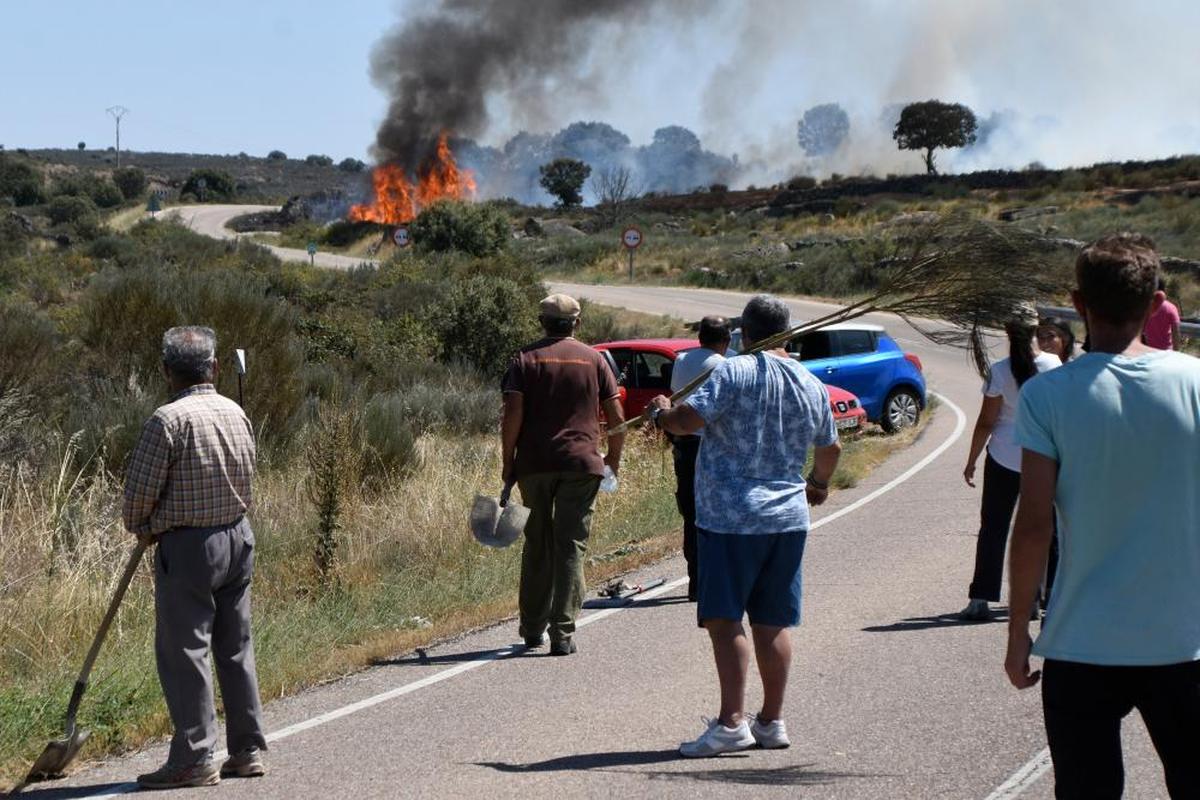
(890, 696)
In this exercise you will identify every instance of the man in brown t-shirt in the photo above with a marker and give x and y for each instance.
(550, 433)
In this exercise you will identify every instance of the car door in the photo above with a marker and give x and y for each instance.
(860, 368)
(815, 351)
(650, 374)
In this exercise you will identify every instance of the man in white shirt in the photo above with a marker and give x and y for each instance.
(714, 341)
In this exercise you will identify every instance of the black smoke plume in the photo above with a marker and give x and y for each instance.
(438, 68)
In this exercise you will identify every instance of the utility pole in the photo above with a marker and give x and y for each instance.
(116, 112)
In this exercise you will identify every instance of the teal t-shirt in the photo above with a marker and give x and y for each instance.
(1126, 435)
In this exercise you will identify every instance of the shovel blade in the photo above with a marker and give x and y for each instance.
(57, 756)
(485, 513)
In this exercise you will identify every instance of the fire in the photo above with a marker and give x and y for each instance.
(397, 200)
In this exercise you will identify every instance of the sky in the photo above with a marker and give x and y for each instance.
(1086, 80)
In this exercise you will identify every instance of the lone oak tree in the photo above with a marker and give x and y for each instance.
(933, 124)
(563, 178)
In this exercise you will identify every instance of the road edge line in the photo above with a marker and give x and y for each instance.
(1023, 778)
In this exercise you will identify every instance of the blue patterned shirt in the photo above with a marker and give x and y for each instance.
(761, 414)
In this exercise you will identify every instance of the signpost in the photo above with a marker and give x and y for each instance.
(201, 184)
(631, 238)
(312, 253)
(241, 370)
(401, 237)
(154, 205)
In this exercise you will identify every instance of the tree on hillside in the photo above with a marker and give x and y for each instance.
(316, 160)
(209, 184)
(563, 178)
(932, 124)
(823, 129)
(277, 155)
(351, 165)
(82, 145)
(131, 181)
(614, 189)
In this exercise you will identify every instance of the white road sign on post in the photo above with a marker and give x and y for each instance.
(631, 237)
(400, 236)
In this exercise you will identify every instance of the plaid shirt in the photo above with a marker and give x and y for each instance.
(192, 466)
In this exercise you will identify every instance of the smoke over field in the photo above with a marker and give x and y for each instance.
(688, 93)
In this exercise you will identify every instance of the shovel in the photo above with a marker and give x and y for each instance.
(53, 761)
(498, 523)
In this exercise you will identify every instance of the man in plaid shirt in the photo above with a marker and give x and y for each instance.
(187, 488)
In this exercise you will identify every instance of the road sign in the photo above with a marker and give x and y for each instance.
(154, 205)
(400, 237)
(631, 237)
(312, 248)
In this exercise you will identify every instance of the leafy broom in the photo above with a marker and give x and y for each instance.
(966, 272)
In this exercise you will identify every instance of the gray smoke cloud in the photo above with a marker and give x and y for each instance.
(1065, 83)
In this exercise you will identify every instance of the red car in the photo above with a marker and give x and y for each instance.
(643, 368)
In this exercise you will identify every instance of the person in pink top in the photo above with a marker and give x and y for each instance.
(1162, 328)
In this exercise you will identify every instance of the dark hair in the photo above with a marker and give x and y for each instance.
(1064, 332)
(713, 330)
(1118, 276)
(1020, 350)
(764, 316)
(557, 326)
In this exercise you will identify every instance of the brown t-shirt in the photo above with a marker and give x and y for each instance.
(563, 382)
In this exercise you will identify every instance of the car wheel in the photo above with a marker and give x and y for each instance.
(901, 410)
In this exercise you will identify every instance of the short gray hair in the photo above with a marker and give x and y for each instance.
(190, 352)
(765, 315)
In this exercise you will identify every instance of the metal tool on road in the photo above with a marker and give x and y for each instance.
(498, 522)
(620, 593)
(59, 753)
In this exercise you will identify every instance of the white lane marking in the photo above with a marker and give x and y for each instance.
(467, 666)
(960, 425)
(1023, 778)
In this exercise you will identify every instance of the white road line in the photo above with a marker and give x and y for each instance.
(1023, 778)
(467, 666)
(960, 425)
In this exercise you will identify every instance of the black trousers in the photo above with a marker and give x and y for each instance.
(685, 449)
(1084, 705)
(1001, 489)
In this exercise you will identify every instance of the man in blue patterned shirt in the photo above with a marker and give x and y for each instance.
(760, 414)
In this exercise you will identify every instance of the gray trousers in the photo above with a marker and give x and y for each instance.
(202, 602)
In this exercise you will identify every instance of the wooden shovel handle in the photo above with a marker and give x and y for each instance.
(81, 684)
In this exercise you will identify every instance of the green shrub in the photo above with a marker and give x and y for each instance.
(318, 161)
(28, 343)
(277, 155)
(474, 228)
(483, 321)
(124, 314)
(20, 181)
(131, 181)
(218, 185)
(351, 165)
(100, 191)
(69, 209)
(390, 439)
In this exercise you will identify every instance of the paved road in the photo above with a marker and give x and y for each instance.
(211, 220)
(891, 698)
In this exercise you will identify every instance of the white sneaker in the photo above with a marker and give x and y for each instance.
(718, 739)
(770, 735)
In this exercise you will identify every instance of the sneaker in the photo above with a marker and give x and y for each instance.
(718, 739)
(976, 611)
(770, 735)
(246, 764)
(169, 776)
(563, 647)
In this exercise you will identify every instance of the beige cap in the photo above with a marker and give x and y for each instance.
(560, 306)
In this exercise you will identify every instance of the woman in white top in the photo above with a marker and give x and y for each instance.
(996, 428)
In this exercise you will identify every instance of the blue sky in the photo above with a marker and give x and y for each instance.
(1089, 80)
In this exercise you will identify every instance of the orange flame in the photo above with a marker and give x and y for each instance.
(397, 200)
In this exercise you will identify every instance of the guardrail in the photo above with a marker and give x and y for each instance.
(1186, 328)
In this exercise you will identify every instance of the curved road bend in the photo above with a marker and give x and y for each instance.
(890, 697)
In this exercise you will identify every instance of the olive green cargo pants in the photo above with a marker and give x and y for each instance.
(552, 587)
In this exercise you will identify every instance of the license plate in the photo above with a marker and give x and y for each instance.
(848, 422)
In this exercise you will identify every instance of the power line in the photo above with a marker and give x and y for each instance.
(116, 112)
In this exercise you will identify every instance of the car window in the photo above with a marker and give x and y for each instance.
(851, 343)
(624, 361)
(813, 346)
(653, 371)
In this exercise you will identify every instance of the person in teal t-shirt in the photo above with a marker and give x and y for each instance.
(1112, 439)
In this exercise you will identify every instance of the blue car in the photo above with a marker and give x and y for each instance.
(863, 359)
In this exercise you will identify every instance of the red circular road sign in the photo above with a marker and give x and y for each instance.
(400, 236)
(631, 237)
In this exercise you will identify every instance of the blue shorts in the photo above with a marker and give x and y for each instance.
(756, 574)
